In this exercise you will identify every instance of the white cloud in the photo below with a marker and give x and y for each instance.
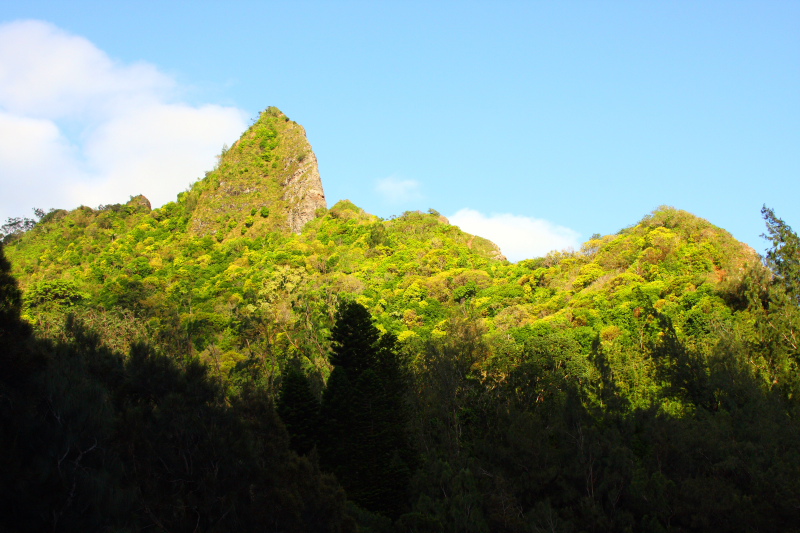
(157, 150)
(519, 237)
(128, 132)
(35, 161)
(395, 190)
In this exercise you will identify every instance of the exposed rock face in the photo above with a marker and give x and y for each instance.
(268, 181)
(140, 202)
(304, 194)
(497, 253)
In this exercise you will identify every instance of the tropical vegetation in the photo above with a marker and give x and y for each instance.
(389, 375)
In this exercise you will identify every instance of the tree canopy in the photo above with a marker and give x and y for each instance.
(194, 367)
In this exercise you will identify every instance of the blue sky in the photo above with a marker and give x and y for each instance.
(535, 124)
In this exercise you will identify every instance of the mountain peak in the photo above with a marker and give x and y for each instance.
(267, 181)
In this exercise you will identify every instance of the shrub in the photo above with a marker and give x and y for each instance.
(61, 291)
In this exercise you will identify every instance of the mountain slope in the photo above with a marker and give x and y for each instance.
(224, 272)
(267, 181)
(647, 382)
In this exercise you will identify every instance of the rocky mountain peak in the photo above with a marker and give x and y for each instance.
(267, 181)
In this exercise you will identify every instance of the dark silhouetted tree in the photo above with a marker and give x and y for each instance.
(299, 410)
(364, 441)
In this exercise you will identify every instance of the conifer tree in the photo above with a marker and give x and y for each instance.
(354, 339)
(364, 441)
(776, 304)
(784, 257)
(299, 411)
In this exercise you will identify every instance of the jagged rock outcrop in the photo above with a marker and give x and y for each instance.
(140, 203)
(267, 181)
(304, 194)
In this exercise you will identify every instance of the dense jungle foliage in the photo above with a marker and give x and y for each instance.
(392, 375)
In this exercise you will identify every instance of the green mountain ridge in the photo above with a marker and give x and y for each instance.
(229, 249)
(229, 253)
(646, 382)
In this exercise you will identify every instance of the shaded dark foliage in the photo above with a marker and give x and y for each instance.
(364, 417)
(94, 441)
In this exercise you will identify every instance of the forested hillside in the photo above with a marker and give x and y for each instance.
(247, 359)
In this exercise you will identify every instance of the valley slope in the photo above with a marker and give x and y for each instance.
(646, 382)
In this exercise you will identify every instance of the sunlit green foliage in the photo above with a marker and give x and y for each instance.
(274, 295)
(646, 382)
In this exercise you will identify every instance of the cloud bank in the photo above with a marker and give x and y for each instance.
(519, 237)
(78, 127)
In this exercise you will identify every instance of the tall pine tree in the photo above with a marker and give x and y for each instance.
(299, 410)
(364, 441)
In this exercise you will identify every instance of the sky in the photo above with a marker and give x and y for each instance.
(534, 124)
